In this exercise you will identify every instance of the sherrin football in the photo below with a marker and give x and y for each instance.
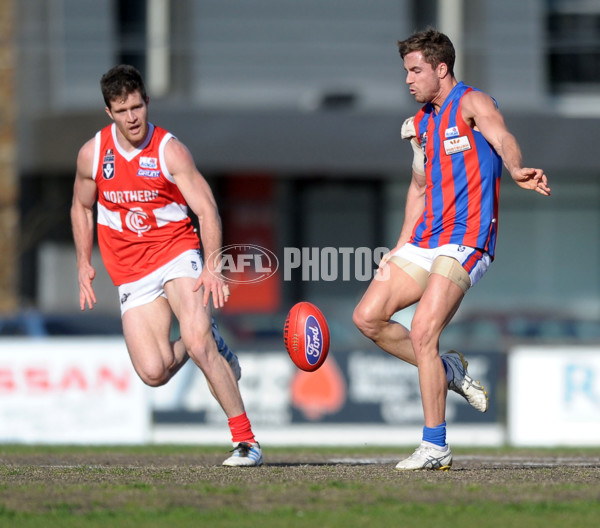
(306, 336)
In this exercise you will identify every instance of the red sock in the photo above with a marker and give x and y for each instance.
(241, 430)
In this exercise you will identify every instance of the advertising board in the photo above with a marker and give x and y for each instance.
(71, 391)
(554, 396)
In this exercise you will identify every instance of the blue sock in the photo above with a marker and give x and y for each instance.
(435, 435)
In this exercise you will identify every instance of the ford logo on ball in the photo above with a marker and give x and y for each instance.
(313, 340)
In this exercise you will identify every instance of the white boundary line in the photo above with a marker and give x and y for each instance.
(485, 435)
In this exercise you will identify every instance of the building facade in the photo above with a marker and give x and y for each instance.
(292, 110)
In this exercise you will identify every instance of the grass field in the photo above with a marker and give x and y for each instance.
(175, 486)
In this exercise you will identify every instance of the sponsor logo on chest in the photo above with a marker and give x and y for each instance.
(451, 132)
(456, 145)
(148, 163)
(148, 167)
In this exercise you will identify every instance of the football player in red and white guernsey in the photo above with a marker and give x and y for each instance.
(143, 180)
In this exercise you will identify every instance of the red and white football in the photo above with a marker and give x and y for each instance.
(306, 336)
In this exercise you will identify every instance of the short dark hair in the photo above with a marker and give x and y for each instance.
(121, 81)
(435, 47)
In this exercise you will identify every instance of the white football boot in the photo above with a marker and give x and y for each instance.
(427, 456)
(245, 454)
(461, 383)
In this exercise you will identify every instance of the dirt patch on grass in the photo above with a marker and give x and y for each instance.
(83, 482)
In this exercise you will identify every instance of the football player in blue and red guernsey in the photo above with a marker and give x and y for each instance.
(447, 241)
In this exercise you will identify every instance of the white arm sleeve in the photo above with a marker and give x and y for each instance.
(408, 132)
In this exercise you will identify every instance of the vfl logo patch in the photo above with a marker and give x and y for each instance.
(454, 146)
(313, 338)
(108, 165)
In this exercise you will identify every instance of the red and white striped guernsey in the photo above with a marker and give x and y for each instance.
(143, 218)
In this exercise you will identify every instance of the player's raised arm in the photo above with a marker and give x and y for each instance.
(480, 111)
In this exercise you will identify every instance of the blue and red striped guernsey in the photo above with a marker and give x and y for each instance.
(463, 179)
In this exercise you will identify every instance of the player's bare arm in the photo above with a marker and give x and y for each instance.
(415, 205)
(82, 221)
(199, 197)
(415, 198)
(480, 112)
(413, 210)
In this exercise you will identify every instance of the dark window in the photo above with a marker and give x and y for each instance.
(424, 13)
(573, 30)
(131, 27)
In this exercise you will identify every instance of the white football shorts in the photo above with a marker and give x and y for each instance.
(474, 261)
(150, 287)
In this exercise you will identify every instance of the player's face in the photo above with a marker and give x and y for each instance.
(130, 115)
(423, 81)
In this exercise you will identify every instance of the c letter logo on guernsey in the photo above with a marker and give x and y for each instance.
(136, 221)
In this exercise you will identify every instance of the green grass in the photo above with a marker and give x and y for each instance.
(542, 515)
(181, 486)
